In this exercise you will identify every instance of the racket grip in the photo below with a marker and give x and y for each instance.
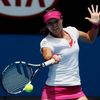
(49, 62)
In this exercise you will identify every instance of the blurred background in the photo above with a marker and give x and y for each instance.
(20, 25)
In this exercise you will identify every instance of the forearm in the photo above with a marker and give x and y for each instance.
(93, 32)
(47, 54)
(95, 21)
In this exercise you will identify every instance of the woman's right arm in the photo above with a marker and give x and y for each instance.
(48, 54)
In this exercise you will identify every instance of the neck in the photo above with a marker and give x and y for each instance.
(58, 35)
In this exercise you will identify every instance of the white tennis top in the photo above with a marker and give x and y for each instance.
(66, 72)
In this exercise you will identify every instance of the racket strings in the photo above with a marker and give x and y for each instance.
(14, 83)
(14, 80)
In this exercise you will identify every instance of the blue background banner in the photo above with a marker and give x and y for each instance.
(27, 48)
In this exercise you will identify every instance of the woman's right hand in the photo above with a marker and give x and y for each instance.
(57, 58)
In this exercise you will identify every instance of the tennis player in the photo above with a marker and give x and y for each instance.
(63, 82)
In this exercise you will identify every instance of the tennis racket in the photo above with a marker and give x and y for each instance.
(19, 73)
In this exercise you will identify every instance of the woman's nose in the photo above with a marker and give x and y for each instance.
(54, 25)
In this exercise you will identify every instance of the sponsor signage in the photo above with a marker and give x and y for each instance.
(24, 8)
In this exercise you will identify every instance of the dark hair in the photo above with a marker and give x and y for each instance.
(44, 30)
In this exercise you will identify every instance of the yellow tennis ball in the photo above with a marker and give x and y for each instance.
(28, 88)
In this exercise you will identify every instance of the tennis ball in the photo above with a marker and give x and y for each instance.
(28, 88)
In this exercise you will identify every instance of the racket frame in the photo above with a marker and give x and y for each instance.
(44, 64)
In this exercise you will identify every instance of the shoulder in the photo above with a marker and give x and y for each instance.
(71, 28)
(72, 31)
(45, 42)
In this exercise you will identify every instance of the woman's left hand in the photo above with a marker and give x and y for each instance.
(95, 15)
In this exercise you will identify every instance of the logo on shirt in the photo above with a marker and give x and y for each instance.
(44, 43)
(22, 8)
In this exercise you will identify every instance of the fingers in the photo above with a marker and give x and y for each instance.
(92, 10)
(96, 8)
(89, 10)
(87, 18)
(94, 15)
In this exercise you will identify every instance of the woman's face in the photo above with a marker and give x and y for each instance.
(55, 26)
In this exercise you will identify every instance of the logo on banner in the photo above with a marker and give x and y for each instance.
(21, 8)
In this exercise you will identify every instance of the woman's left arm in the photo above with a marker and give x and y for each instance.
(95, 21)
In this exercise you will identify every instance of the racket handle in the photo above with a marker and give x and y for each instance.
(49, 62)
